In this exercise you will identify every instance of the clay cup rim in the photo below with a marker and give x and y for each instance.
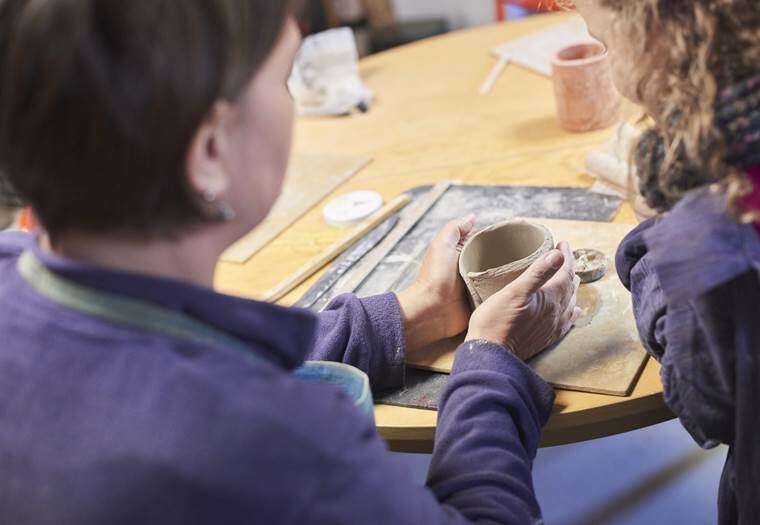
(581, 50)
(543, 246)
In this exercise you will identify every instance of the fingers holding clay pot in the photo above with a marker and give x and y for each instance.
(499, 254)
(564, 285)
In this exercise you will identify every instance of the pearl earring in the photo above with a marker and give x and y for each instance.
(218, 210)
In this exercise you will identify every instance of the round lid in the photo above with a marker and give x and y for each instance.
(352, 208)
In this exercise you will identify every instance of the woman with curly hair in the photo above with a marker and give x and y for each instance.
(694, 270)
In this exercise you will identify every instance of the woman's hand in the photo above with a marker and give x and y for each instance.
(435, 307)
(533, 312)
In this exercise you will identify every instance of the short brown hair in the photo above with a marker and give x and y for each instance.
(101, 100)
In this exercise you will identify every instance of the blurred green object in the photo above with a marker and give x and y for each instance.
(8, 196)
(10, 203)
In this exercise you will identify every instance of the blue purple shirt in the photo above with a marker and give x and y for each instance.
(695, 280)
(103, 423)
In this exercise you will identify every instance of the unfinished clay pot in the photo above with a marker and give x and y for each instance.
(498, 254)
(586, 95)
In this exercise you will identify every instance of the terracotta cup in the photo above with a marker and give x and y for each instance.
(586, 96)
(497, 255)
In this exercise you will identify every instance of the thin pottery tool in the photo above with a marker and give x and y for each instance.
(494, 75)
(408, 221)
(335, 249)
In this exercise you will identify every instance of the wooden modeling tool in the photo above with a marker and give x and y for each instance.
(335, 249)
(413, 216)
(351, 257)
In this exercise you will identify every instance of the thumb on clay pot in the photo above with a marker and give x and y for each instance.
(538, 274)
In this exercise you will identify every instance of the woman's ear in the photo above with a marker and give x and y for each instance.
(206, 171)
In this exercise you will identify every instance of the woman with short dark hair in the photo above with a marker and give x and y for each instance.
(148, 136)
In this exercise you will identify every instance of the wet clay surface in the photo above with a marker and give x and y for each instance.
(590, 302)
(602, 353)
(491, 204)
(498, 254)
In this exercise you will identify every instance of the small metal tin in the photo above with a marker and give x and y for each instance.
(590, 265)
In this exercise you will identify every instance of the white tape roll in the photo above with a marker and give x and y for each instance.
(352, 208)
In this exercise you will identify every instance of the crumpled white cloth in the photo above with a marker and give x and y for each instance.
(325, 78)
(611, 164)
(615, 174)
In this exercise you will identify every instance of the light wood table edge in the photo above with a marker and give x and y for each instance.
(655, 412)
(551, 437)
(561, 429)
(598, 418)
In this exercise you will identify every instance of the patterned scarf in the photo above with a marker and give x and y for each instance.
(737, 116)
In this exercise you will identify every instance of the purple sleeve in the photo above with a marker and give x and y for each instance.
(688, 337)
(366, 333)
(489, 425)
(649, 306)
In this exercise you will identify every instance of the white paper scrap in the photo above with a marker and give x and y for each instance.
(536, 50)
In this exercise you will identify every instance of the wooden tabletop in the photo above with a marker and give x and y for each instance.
(429, 123)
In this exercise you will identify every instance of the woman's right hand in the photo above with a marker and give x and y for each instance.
(534, 311)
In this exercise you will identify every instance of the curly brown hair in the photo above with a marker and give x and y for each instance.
(697, 48)
(686, 53)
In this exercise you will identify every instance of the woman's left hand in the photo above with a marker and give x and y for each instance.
(435, 306)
